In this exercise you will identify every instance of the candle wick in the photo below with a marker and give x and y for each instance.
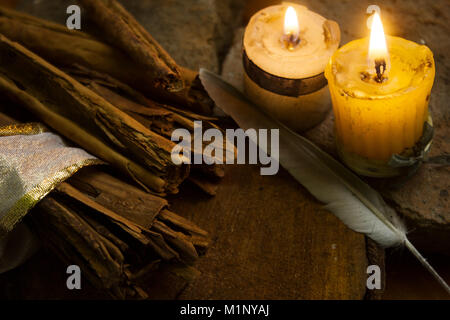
(291, 41)
(380, 67)
(294, 39)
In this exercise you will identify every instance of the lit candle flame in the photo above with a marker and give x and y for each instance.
(291, 22)
(291, 28)
(377, 46)
(378, 53)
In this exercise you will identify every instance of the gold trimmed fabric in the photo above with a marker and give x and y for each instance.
(31, 198)
(32, 163)
(23, 128)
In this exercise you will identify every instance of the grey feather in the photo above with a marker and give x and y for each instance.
(353, 201)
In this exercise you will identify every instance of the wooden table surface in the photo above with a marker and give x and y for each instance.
(272, 240)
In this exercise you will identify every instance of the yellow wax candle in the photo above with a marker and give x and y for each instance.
(379, 113)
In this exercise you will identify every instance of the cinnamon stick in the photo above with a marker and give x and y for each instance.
(76, 242)
(158, 117)
(65, 48)
(117, 233)
(59, 98)
(137, 206)
(93, 220)
(122, 29)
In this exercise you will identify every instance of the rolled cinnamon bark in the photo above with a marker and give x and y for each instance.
(73, 110)
(66, 48)
(160, 118)
(126, 33)
(116, 233)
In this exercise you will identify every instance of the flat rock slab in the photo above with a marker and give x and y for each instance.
(423, 201)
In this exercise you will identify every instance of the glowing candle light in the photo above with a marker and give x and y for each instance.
(286, 49)
(378, 52)
(291, 28)
(380, 88)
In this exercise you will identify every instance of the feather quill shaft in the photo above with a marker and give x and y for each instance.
(353, 201)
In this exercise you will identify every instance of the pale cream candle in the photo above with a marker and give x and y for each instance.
(286, 49)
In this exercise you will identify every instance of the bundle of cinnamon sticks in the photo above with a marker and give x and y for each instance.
(116, 233)
(120, 102)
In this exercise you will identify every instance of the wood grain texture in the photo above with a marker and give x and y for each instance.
(272, 240)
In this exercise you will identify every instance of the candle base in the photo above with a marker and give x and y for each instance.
(297, 113)
(398, 165)
(299, 104)
(367, 167)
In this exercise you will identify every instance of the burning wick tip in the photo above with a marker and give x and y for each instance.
(291, 41)
(380, 67)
